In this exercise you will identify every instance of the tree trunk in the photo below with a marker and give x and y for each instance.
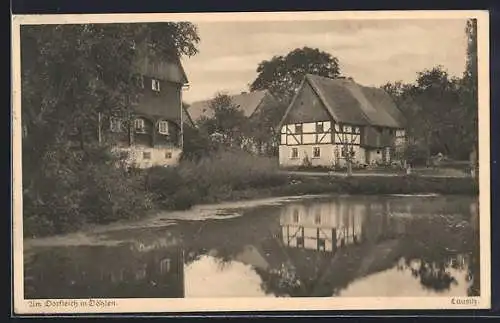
(349, 167)
(428, 149)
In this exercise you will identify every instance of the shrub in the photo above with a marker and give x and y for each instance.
(75, 188)
(213, 177)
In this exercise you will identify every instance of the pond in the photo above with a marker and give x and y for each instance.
(327, 246)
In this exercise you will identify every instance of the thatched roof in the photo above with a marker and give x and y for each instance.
(351, 103)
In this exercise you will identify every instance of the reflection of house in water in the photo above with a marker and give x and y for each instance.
(322, 226)
(128, 271)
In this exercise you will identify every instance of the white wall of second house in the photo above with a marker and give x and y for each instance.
(158, 156)
(328, 155)
(325, 158)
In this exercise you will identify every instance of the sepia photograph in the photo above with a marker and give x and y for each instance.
(251, 161)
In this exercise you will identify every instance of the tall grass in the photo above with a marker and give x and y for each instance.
(213, 177)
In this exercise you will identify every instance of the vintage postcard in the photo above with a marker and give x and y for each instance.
(251, 162)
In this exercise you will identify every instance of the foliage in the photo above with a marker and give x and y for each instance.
(196, 144)
(227, 121)
(213, 176)
(76, 188)
(282, 75)
(261, 127)
(70, 74)
(441, 111)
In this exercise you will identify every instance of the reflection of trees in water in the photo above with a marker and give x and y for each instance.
(431, 239)
(436, 245)
(282, 281)
(433, 276)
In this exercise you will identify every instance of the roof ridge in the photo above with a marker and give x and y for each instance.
(318, 92)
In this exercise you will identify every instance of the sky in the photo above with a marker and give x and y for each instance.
(372, 52)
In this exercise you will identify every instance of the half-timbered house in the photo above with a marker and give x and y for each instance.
(331, 120)
(154, 137)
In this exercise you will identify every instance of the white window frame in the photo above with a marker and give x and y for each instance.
(292, 154)
(165, 265)
(139, 125)
(155, 85)
(163, 124)
(115, 124)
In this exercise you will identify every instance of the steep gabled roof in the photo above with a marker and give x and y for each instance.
(170, 70)
(349, 102)
(248, 102)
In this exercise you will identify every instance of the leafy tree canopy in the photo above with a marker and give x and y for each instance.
(282, 75)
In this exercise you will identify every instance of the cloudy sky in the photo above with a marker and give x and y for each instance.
(371, 51)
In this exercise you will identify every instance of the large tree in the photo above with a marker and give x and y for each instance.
(469, 97)
(282, 75)
(430, 105)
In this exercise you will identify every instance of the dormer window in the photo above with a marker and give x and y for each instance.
(139, 126)
(155, 85)
(163, 127)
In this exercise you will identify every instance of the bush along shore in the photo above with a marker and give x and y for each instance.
(87, 193)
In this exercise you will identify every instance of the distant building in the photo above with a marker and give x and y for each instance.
(328, 119)
(155, 135)
(250, 103)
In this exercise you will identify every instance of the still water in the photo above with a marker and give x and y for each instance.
(331, 246)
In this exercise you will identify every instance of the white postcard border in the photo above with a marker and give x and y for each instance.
(144, 305)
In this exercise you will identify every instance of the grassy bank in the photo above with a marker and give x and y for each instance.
(95, 193)
(236, 176)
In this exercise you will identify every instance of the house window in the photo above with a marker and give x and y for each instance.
(165, 266)
(319, 127)
(163, 127)
(321, 244)
(298, 128)
(115, 124)
(139, 126)
(146, 155)
(295, 153)
(168, 155)
(300, 242)
(295, 216)
(317, 218)
(316, 152)
(155, 85)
